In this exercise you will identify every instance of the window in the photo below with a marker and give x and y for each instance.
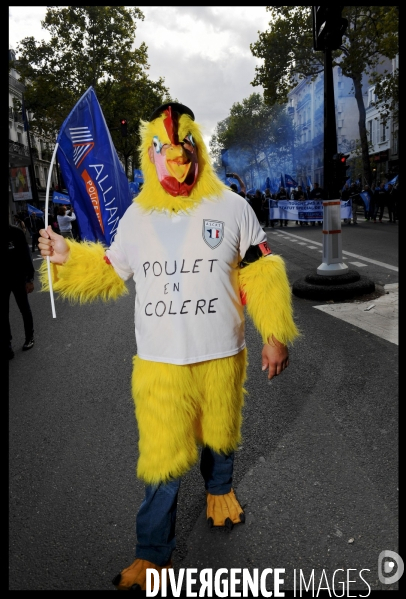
(19, 137)
(395, 142)
(372, 130)
(371, 96)
(382, 127)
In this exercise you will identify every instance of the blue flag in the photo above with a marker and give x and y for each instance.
(289, 182)
(365, 199)
(134, 189)
(93, 174)
(275, 185)
(138, 176)
(33, 210)
(309, 182)
(224, 158)
(60, 198)
(267, 184)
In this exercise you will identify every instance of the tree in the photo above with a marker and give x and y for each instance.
(89, 46)
(259, 138)
(287, 51)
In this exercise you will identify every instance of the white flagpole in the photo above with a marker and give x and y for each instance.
(51, 292)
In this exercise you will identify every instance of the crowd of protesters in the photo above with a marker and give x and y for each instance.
(31, 223)
(372, 202)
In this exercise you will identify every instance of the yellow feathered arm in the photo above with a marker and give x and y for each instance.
(86, 276)
(269, 299)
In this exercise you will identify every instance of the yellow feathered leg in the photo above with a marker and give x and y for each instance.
(179, 407)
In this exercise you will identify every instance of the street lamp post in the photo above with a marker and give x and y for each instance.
(328, 28)
(332, 263)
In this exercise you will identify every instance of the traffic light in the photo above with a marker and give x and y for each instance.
(123, 124)
(328, 27)
(340, 167)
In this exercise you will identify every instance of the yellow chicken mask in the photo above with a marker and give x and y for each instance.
(174, 161)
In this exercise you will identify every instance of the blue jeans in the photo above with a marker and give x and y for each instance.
(156, 517)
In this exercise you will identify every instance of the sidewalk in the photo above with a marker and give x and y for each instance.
(379, 316)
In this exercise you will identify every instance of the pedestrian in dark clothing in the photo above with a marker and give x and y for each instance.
(53, 221)
(256, 204)
(355, 201)
(369, 210)
(282, 195)
(317, 193)
(37, 223)
(266, 198)
(300, 196)
(20, 281)
(380, 201)
(392, 202)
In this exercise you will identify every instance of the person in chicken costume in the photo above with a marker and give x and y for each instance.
(197, 255)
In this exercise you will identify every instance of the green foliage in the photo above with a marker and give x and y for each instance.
(89, 46)
(387, 95)
(287, 51)
(287, 47)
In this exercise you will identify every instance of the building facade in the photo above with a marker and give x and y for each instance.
(383, 136)
(29, 157)
(306, 107)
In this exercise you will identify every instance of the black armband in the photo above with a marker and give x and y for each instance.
(254, 253)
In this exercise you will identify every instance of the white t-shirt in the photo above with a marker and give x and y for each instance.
(185, 267)
(65, 222)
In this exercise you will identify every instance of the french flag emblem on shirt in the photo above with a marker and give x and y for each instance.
(213, 232)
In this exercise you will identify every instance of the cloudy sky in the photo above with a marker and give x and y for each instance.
(202, 52)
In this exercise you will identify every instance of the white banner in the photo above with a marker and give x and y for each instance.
(307, 210)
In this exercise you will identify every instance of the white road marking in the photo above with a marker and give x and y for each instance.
(294, 238)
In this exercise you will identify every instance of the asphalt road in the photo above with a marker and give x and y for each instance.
(320, 447)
